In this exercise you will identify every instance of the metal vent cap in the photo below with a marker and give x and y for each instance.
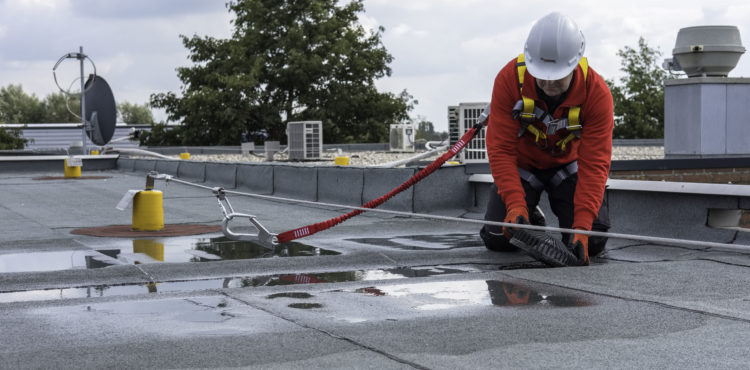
(708, 50)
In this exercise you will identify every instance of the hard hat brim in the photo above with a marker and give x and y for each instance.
(549, 70)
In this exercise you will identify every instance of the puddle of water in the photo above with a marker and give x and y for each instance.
(446, 295)
(362, 275)
(138, 251)
(44, 261)
(505, 293)
(305, 306)
(425, 242)
(231, 282)
(230, 250)
(296, 295)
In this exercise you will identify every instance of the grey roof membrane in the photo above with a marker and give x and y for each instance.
(378, 291)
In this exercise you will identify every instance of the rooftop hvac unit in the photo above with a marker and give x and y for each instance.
(453, 134)
(402, 137)
(475, 150)
(305, 139)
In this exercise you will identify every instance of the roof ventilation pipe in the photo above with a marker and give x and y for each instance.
(706, 51)
(705, 114)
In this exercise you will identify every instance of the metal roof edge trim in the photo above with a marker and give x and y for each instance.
(658, 186)
(53, 157)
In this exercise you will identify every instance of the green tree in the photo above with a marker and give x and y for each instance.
(639, 101)
(161, 135)
(18, 107)
(135, 114)
(59, 108)
(426, 130)
(10, 138)
(287, 60)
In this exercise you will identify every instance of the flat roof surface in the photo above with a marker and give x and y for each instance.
(378, 291)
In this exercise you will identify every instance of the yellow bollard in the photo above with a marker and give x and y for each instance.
(185, 155)
(148, 211)
(71, 172)
(150, 248)
(341, 161)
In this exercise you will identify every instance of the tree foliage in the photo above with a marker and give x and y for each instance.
(10, 138)
(18, 107)
(287, 60)
(59, 108)
(426, 130)
(135, 114)
(161, 135)
(639, 101)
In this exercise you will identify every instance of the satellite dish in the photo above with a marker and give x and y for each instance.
(100, 110)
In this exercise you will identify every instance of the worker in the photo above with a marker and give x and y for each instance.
(550, 130)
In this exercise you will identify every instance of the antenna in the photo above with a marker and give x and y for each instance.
(81, 57)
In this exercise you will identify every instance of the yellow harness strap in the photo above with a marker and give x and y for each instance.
(527, 115)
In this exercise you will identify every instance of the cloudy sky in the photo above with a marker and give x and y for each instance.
(445, 51)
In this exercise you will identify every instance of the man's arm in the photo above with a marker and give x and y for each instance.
(594, 152)
(502, 137)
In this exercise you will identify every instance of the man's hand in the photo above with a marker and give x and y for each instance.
(516, 215)
(580, 248)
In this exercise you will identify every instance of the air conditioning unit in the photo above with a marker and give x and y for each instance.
(453, 131)
(475, 150)
(402, 137)
(305, 140)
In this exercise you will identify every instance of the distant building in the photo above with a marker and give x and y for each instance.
(56, 136)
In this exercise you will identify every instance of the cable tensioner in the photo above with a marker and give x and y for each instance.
(263, 236)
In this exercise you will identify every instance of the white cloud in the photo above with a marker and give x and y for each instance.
(401, 30)
(404, 30)
(445, 51)
(369, 23)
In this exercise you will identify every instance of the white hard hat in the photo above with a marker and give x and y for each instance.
(554, 47)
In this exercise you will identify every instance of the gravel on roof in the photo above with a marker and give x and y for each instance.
(371, 158)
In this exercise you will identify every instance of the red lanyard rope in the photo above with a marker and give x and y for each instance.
(320, 226)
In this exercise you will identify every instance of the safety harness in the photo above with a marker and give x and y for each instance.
(527, 113)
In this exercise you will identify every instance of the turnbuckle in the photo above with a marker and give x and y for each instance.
(263, 236)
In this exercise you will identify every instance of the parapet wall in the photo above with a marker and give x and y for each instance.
(447, 191)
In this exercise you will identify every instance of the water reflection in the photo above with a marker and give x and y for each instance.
(235, 282)
(504, 293)
(231, 249)
(451, 294)
(143, 251)
(424, 242)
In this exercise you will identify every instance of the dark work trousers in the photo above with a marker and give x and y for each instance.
(561, 202)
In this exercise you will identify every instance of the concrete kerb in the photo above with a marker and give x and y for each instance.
(256, 179)
(445, 190)
(144, 165)
(296, 182)
(168, 167)
(221, 174)
(380, 181)
(125, 164)
(191, 170)
(342, 185)
(669, 215)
